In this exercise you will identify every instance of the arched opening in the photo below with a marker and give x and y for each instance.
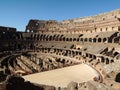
(99, 39)
(112, 61)
(90, 39)
(50, 38)
(86, 55)
(78, 48)
(106, 28)
(48, 50)
(44, 37)
(90, 56)
(82, 39)
(31, 37)
(77, 53)
(57, 37)
(63, 61)
(74, 39)
(80, 53)
(85, 39)
(94, 57)
(67, 39)
(60, 39)
(54, 36)
(102, 59)
(38, 37)
(107, 61)
(70, 39)
(95, 29)
(47, 37)
(35, 37)
(104, 39)
(41, 37)
(77, 39)
(115, 40)
(63, 38)
(117, 79)
(73, 52)
(94, 40)
(116, 53)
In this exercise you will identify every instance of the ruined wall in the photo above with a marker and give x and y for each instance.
(100, 23)
(49, 44)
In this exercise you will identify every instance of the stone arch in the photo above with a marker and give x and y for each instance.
(111, 61)
(90, 39)
(104, 39)
(41, 36)
(107, 61)
(54, 37)
(44, 36)
(58, 59)
(77, 53)
(78, 39)
(73, 52)
(102, 59)
(116, 53)
(90, 55)
(57, 37)
(38, 37)
(31, 36)
(117, 78)
(86, 54)
(94, 57)
(80, 53)
(50, 38)
(85, 39)
(116, 40)
(63, 38)
(81, 39)
(95, 29)
(67, 39)
(63, 61)
(48, 50)
(71, 39)
(78, 48)
(34, 36)
(47, 37)
(99, 39)
(94, 39)
(74, 39)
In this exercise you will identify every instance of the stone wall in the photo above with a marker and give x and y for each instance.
(100, 23)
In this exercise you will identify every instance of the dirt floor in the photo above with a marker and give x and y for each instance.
(62, 77)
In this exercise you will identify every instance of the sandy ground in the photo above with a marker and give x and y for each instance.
(62, 77)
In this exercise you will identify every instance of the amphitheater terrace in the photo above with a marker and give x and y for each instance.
(74, 54)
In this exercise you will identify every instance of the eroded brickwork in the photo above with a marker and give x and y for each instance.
(48, 44)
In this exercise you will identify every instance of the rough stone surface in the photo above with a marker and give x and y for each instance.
(48, 44)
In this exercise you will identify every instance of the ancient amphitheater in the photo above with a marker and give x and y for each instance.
(74, 54)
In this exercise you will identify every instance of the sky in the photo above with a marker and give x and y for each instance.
(17, 13)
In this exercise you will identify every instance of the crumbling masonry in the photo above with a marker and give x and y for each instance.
(49, 44)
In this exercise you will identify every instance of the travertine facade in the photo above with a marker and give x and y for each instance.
(49, 44)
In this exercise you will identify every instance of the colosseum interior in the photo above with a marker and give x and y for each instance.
(75, 54)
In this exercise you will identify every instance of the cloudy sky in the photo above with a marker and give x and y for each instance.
(17, 13)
